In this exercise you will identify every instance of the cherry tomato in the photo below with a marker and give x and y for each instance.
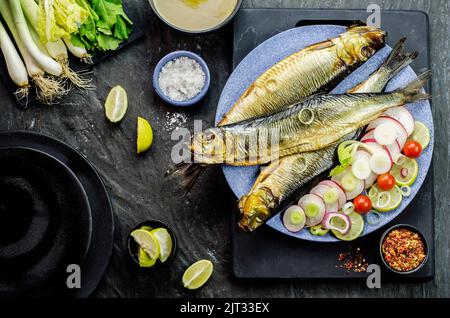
(412, 149)
(386, 181)
(362, 204)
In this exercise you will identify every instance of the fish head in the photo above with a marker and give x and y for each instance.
(360, 43)
(209, 145)
(255, 209)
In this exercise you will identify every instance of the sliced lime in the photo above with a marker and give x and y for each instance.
(147, 241)
(165, 243)
(197, 274)
(116, 104)
(385, 201)
(406, 173)
(144, 135)
(421, 134)
(356, 228)
(144, 259)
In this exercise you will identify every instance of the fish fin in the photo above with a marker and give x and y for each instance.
(355, 24)
(398, 60)
(414, 90)
(190, 172)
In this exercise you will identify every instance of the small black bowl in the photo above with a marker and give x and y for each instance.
(412, 229)
(133, 246)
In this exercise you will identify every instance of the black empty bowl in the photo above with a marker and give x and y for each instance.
(412, 229)
(133, 247)
(45, 221)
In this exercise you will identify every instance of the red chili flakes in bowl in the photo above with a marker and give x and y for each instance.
(403, 250)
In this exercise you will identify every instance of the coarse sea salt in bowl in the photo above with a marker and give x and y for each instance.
(181, 78)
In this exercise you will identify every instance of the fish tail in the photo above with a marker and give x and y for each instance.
(190, 172)
(414, 90)
(398, 60)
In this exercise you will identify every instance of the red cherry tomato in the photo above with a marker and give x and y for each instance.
(362, 204)
(412, 149)
(386, 181)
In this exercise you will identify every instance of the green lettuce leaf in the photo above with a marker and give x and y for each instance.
(59, 18)
(107, 25)
(346, 152)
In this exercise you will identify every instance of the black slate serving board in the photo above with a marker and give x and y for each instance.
(74, 62)
(269, 254)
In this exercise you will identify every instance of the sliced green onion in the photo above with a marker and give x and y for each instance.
(371, 220)
(310, 117)
(348, 208)
(405, 191)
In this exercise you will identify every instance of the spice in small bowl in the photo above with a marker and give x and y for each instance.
(181, 78)
(403, 249)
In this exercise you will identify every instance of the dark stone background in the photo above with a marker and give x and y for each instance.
(201, 220)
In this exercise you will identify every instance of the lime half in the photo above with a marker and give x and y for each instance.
(144, 135)
(356, 228)
(147, 242)
(116, 104)
(421, 134)
(385, 201)
(144, 259)
(406, 173)
(165, 243)
(197, 274)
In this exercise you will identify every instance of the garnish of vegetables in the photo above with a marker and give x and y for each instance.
(346, 151)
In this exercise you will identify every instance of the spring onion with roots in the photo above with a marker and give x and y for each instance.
(57, 49)
(78, 51)
(14, 64)
(47, 89)
(48, 64)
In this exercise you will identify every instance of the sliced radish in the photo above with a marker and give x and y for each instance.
(294, 218)
(344, 220)
(378, 148)
(352, 186)
(369, 135)
(385, 134)
(402, 134)
(342, 198)
(380, 163)
(403, 115)
(314, 208)
(329, 195)
(371, 179)
(394, 150)
(361, 169)
(361, 154)
(360, 186)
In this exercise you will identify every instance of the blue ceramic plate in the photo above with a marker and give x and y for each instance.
(279, 47)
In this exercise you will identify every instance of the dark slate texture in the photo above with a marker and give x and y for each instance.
(201, 220)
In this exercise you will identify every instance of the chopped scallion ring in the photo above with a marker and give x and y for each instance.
(373, 217)
(406, 191)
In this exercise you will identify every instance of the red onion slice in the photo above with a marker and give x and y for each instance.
(326, 222)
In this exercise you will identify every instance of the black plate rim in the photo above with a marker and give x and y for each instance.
(87, 291)
(72, 175)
